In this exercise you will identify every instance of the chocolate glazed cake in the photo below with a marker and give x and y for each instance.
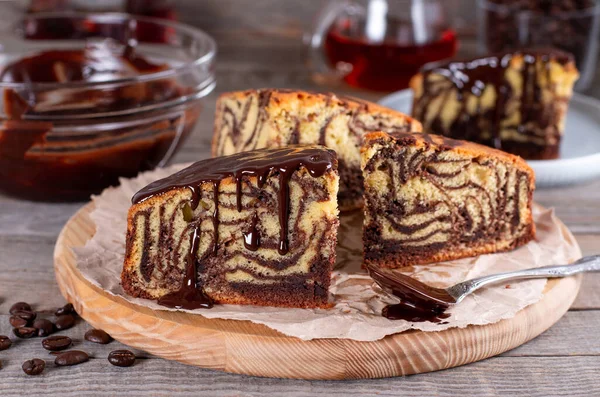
(429, 198)
(515, 102)
(257, 227)
(248, 120)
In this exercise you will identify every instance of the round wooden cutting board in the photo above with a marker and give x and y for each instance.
(252, 349)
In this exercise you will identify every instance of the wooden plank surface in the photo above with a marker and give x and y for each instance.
(507, 376)
(263, 48)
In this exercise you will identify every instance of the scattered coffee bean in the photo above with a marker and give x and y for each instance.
(64, 321)
(56, 342)
(0, 364)
(121, 358)
(34, 367)
(17, 322)
(66, 309)
(20, 306)
(71, 357)
(5, 342)
(25, 315)
(44, 327)
(25, 332)
(97, 336)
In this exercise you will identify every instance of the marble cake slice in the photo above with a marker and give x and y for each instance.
(247, 120)
(258, 228)
(429, 199)
(516, 102)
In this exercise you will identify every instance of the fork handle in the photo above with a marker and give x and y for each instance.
(585, 264)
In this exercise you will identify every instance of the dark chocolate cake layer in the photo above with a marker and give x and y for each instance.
(515, 102)
(248, 120)
(257, 227)
(430, 199)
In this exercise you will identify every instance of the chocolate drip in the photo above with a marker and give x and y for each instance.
(284, 209)
(260, 164)
(189, 296)
(472, 77)
(418, 301)
(252, 236)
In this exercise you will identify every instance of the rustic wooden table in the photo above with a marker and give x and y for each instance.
(563, 361)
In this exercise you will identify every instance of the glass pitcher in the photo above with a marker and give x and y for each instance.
(380, 44)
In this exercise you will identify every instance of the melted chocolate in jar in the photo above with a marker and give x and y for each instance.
(37, 164)
(260, 164)
(472, 77)
(418, 301)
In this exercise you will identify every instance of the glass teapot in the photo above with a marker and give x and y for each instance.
(380, 44)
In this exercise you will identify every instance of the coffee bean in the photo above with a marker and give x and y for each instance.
(64, 321)
(71, 357)
(66, 309)
(44, 327)
(97, 336)
(5, 342)
(19, 306)
(25, 332)
(121, 358)
(56, 342)
(17, 322)
(34, 367)
(25, 315)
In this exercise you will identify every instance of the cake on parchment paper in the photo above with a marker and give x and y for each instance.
(258, 227)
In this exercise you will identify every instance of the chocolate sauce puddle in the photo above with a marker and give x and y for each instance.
(259, 164)
(418, 301)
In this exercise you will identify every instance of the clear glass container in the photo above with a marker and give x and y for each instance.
(380, 44)
(65, 136)
(506, 25)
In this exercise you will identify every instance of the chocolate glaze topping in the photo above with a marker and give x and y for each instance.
(260, 164)
(418, 301)
(473, 77)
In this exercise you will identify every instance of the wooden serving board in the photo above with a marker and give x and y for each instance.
(247, 348)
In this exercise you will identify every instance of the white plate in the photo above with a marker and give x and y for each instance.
(580, 149)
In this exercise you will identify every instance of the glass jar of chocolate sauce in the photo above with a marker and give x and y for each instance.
(93, 101)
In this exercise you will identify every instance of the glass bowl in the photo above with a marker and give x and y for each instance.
(506, 25)
(64, 136)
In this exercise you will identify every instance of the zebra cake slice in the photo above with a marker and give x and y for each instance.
(516, 102)
(248, 120)
(257, 227)
(429, 199)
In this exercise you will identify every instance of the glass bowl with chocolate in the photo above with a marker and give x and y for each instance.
(569, 25)
(87, 99)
